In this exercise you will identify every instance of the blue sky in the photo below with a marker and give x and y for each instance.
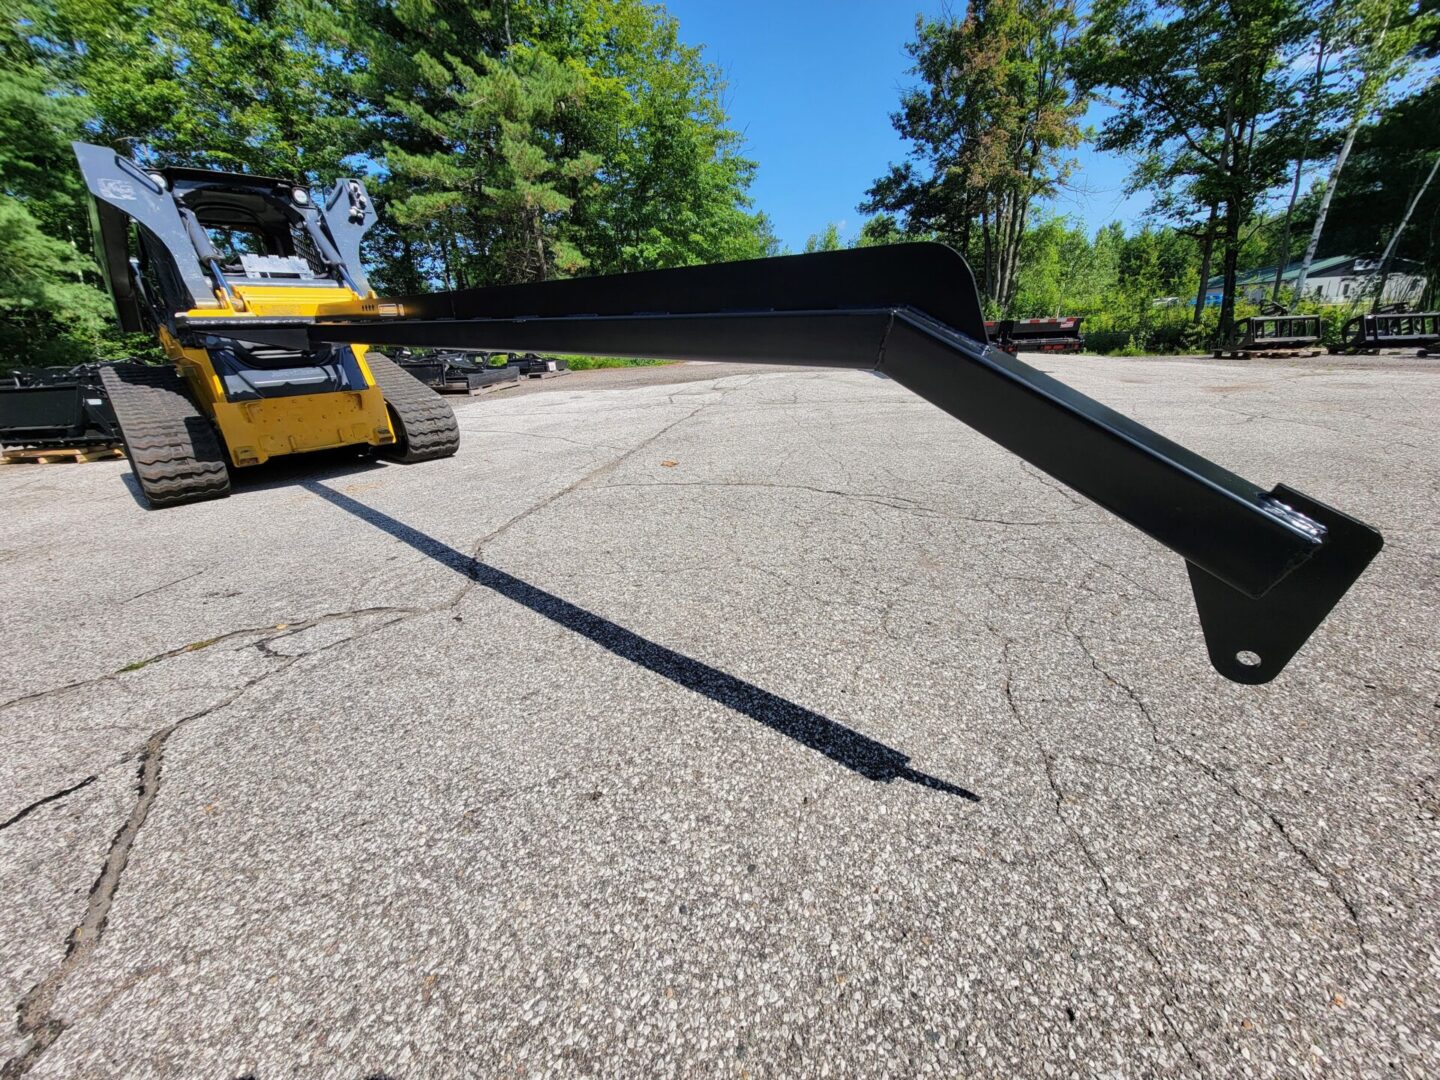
(812, 84)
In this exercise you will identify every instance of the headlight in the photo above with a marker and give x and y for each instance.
(301, 196)
(159, 179)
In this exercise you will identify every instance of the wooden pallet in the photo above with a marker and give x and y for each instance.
(50, 454)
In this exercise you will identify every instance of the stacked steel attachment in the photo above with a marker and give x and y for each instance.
(452, 372)
(460, 371)
(1393, 326)
(1274, 330)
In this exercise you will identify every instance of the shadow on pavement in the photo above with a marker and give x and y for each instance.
(842, 745)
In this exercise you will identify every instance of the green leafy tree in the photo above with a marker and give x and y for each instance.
(50, 310)
(880, 229)
(244, 85)
(990, 128)
(829, 239)
(1381, 39)
(673, 184)
(1197, 88)
(532, 139)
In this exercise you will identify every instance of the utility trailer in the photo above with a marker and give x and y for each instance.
(1058, 335)
(1276, 331)
(56, 408)
(1392, 327)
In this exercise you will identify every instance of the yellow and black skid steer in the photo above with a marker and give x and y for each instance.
(255, 288)
(234, 249)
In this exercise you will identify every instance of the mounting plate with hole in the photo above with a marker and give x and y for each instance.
(1251, 638)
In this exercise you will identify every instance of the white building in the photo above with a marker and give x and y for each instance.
(1341, 279)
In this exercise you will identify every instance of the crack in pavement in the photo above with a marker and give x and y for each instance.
(1216, 776)
(536, 435)
(180, 650)
(54, 796)
(1171, 994)
(471, 569)
(35, 1016)
(890, 502)
(162, 588)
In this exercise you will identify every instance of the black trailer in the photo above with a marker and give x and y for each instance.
(1057, 335)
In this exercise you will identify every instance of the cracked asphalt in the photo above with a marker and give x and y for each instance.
(704, 721)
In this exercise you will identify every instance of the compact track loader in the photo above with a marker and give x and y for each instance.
(274, 359)
(178, 243)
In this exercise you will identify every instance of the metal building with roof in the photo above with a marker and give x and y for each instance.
(1340, 279)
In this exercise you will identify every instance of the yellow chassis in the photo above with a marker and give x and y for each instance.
(255, 431)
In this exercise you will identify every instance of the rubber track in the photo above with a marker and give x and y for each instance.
(427, 424)
(173, 447)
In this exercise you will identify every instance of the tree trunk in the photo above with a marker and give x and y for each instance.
(1284, 253)
(539, 233)
(445, 260)
(1231, 247)
(1284, 258)
(986, 247)
(1324, 210)
(1399, 229)
(1207, 249)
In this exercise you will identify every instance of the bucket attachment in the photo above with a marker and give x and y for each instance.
(56, 407)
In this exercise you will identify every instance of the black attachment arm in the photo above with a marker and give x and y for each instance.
(1266, 567)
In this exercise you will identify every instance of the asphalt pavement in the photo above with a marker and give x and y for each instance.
(720, 721)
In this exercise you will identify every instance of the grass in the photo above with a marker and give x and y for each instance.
(194, 646)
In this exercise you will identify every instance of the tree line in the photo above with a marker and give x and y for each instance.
(1224, 108)
(515, 140)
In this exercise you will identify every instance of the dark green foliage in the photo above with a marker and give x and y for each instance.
(50, 312)
(504, 142)
(1387, 166)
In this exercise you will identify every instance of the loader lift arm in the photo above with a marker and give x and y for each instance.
(1266, 567)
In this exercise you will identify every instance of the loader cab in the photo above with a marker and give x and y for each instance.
(256, 226)
(176, 239)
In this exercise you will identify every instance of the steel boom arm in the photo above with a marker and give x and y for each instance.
(1265, 567)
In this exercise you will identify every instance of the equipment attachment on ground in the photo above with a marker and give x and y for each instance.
(1266, 566)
